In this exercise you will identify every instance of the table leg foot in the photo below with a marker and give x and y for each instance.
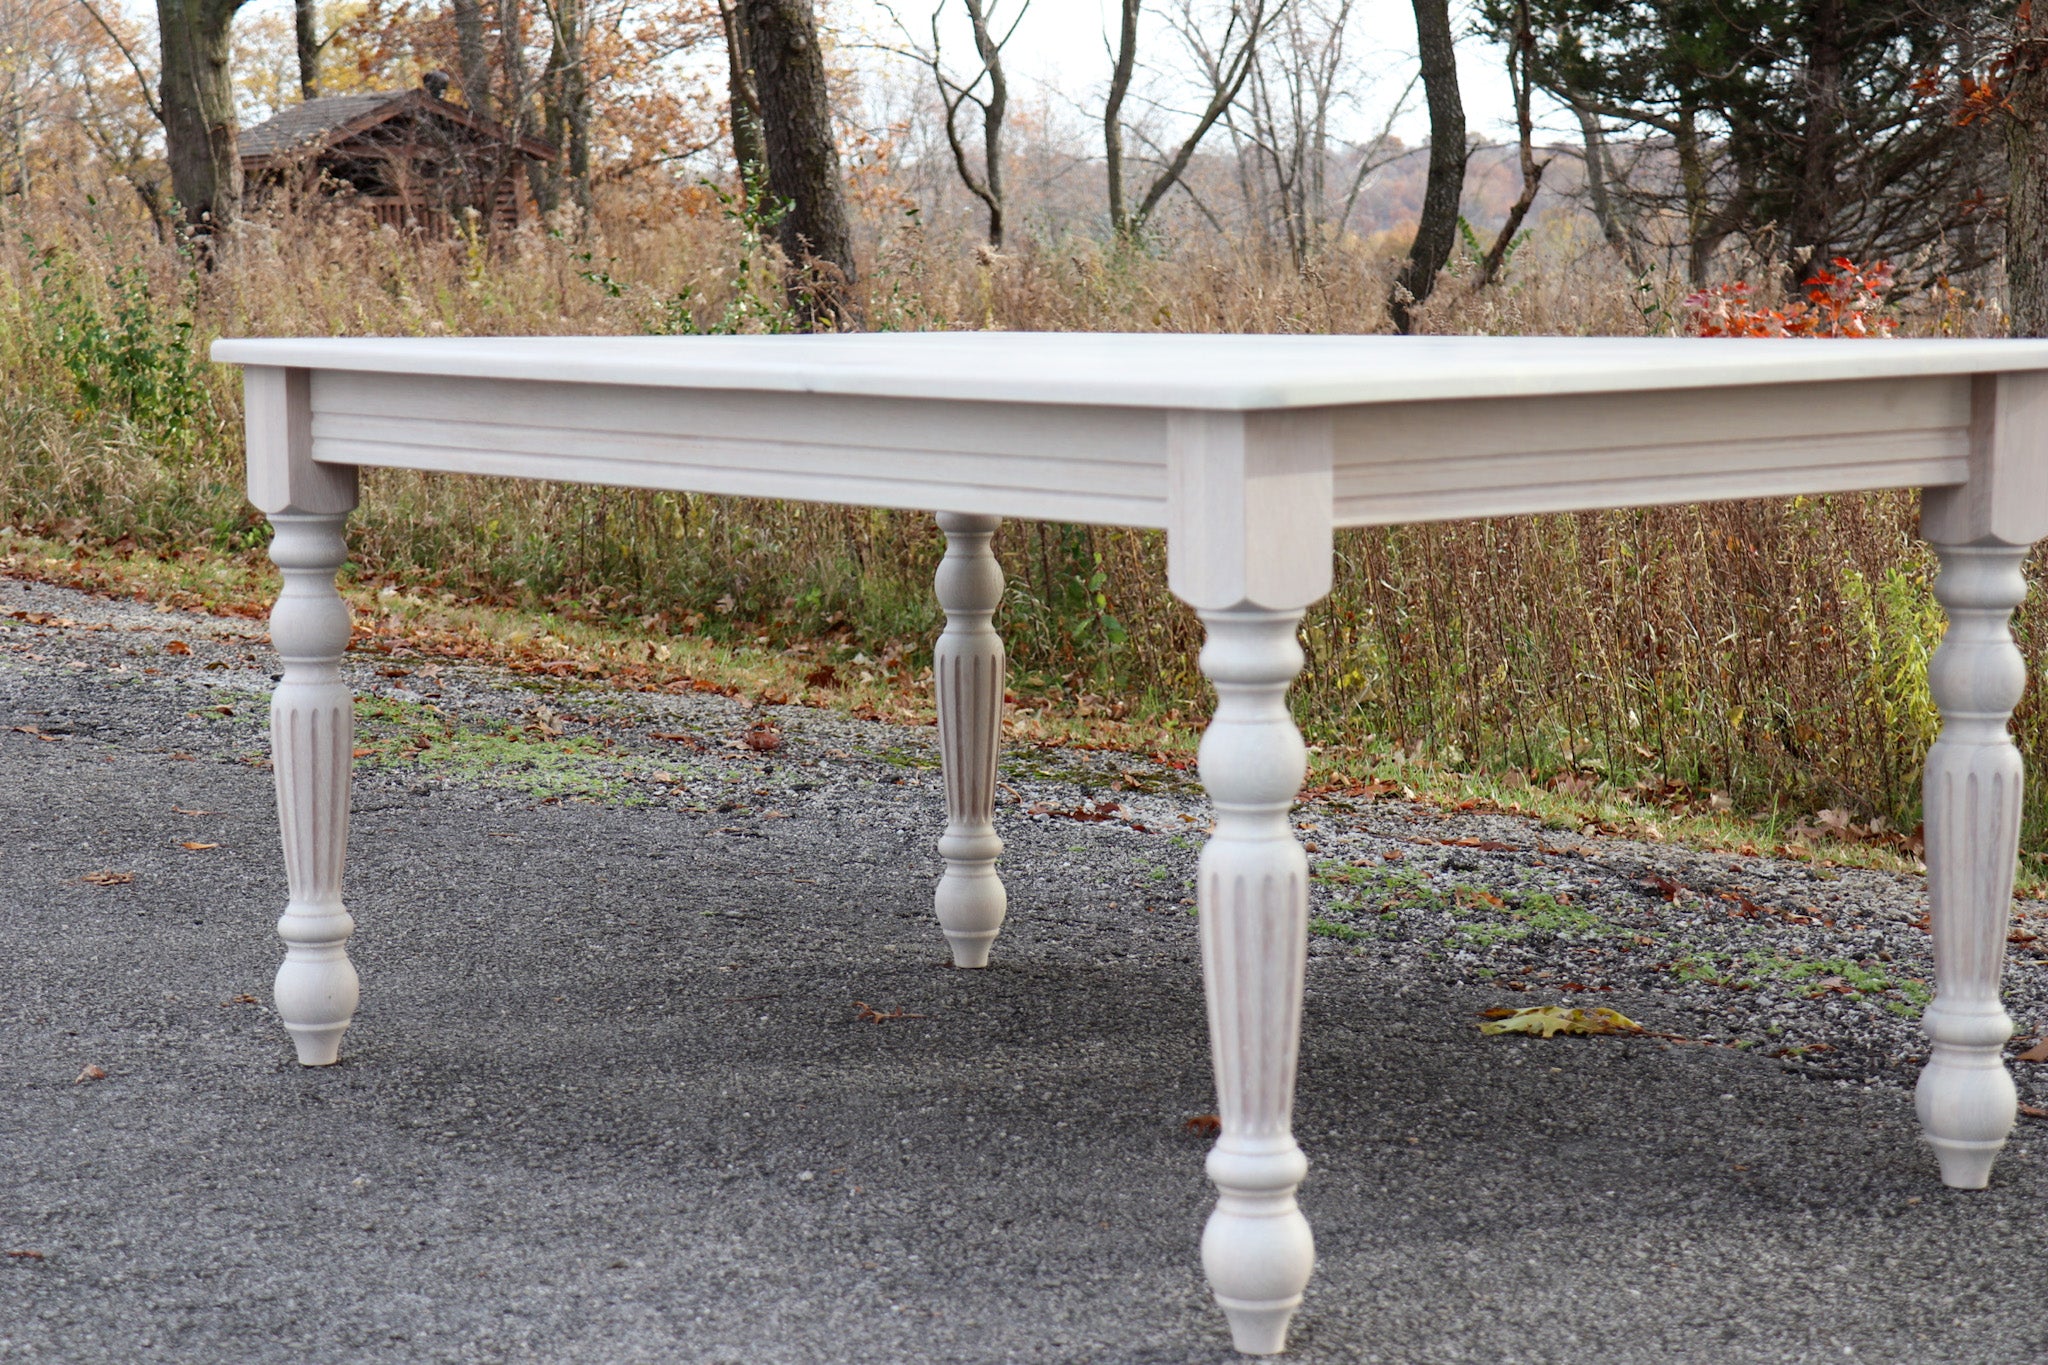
(312, 728)
(967, 670)
(1253, 897)
(1966, 1101)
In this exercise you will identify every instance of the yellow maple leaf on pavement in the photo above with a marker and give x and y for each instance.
(1547, 1021)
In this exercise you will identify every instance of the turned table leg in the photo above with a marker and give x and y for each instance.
(312, 731)
(312, 717)
(967, 669)
(1982, 529)
(1971, 798)
(1249, 548)
(1253, 897)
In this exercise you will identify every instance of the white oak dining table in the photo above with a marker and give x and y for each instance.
(1249, 452)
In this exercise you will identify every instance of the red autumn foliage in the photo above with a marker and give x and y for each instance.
(1846, 300)
(1982, 95)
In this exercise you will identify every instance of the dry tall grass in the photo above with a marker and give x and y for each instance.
(1771, 651)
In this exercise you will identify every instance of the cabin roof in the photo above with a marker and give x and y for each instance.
(313, 126)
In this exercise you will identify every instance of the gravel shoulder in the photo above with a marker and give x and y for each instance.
(611, 1096)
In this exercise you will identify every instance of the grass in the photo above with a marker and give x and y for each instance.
(411, 736)
(1901, 995)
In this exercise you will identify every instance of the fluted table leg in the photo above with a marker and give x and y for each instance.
(967, 669)
(1982, 529)
(312, 730)
(1253, 895)
(1249, 548)
(1973, 781)
(312, 717)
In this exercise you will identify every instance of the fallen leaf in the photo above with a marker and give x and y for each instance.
(1547, 1021)
(868, 1014)
(1836, 822)
(1204, 1125)
(690, 740)
(1088, 811)
(91, 1073)
(108, 878)
(763, 737)
(182, 811)
(361, 753)
(1659, 886)
(241, 1000)
(2037, 1053)
(2034, 1111)
(26, 1255)
(177, 647)
(195, 846)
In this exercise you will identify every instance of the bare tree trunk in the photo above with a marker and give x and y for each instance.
(1692, 180)
(1438, 231)
(476, 63)
(1811, 220)
(749, 152)
(1598, 178)
(993, 111)
(2026, 145)
(1113, 116)
(987, 184)
(306, 29)
(515, 106)
(1521, 51)
(565, 97)
(803, 157)
(197, 95)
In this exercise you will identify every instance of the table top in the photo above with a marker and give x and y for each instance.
(1235, 373)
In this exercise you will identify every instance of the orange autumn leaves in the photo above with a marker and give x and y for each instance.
(1844, 300)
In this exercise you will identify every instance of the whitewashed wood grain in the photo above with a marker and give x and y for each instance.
(967, 673)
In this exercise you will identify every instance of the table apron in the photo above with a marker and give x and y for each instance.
(1439, 461)
(1076, 464)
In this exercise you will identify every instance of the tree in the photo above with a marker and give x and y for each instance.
(1521, 50)
(1288, 157)
(306, 32)
(749, 151)
(476, 59)
(781, 36)
(1803, 128)
(196, 96)
(956, 93)
(565, 100)
(77, 95)
(1226, 65)
(2026, 147)
(1437, 232)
